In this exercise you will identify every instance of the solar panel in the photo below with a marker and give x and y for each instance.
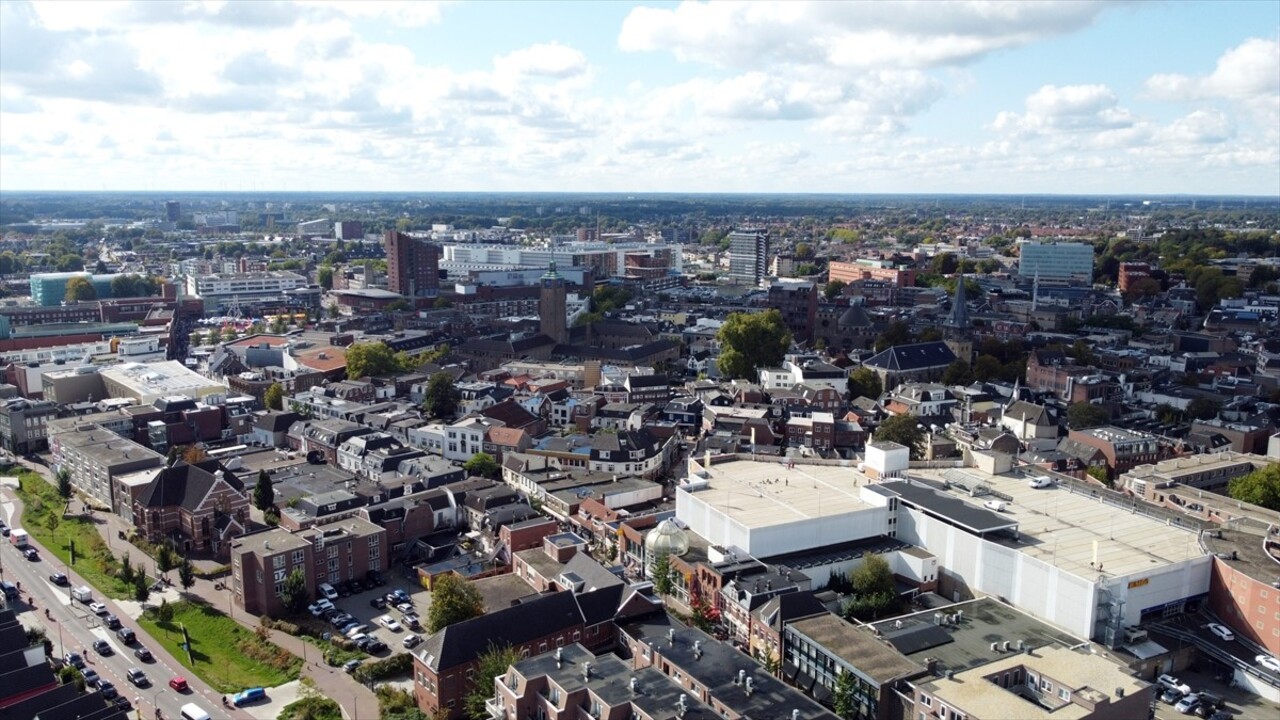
(917, 638)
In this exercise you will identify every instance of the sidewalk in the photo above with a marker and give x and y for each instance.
(357, 701)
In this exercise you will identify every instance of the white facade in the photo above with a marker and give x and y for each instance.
(466, 438)
(888, 459)
(429, 438)
(245, 286)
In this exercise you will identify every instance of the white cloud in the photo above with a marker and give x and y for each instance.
(848, 35)
(1247, 71)
(549, 60)
(1069, 108)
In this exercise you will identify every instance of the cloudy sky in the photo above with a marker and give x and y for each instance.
(1039, 97)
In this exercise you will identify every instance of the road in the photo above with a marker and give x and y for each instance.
(72, 627)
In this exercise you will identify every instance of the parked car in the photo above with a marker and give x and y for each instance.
(1172, 696)
(390, 623)
(356, 585)
(179, 683)
(251, 695)
(122, 703)
(351, 665)
(411, 640)
(91, 677)
(74, 660)
(111, 621)
(378, 603)
(401, 595)
(343, 590)
(126, 636)
(995, 505)
(102, 647)
(1188, 704)
(98, 608)
(1269, 663)
(375, 579)
(375, 646)
(405, 608)
(1221, 631)
(143, 654)
(59, 579)
(1041, 481)
(328, 591)
(412, 621)
(108, 690)
(319, 607)
(1222, 714)
(137, 677)
(358, 629)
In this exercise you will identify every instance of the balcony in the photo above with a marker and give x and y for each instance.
(493, 706)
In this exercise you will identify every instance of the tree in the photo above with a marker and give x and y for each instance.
(1260, 487)
(370, 358)
(295, 594)
(442, 396)
(164, 613)
(903, 430)
(492, 662)
(51, 521)
(897, 333)
(325, 277)
(141, 591)
(833, 289)
(279, 324)
(844, 696)
(873, 576)
(126, 569)
(453, 600)
(79, 289)
(186, 575)
(1083, 415)
(264, 495)
(1203, 408)
(333, 310)
(957, 373)
(64, 484)
(229, 333)
(750, 341)
(1099, 473)
(987, 367)
(663, 575)
(1082, 352)
(165, 559)
(864, 382)
(482, 464)
(273, 398)
(804, 251)
(192, 454)
(1144, 288)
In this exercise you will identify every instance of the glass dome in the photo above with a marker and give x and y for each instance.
(666, 539)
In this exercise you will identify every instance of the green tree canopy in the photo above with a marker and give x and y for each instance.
(370, 358)
(441, 397)
(295, 595)
(1083, 415)
(127, 286)
(64, 484)
(79, 289)
(897, 333)
(663, 575)
(264, 494)
(750, 341)
(833, 289)
(452, 601)
(273, 398)
(864, 382)
(492, 662)
(325, 277)
(482, 464)
(1203, 408)
(958, 373)
(904, 430)
(1260, 487)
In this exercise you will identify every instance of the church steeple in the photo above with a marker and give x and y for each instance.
(958, 319)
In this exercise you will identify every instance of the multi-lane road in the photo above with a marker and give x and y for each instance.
(72, 627)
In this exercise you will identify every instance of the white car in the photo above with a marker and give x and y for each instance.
(328, 591)
(98, 608)
(995, 505)
(390, 623)
(1269, 663)
(1221, 631)
(1041, 481)
(319, 607)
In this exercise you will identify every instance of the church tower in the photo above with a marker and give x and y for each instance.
(551, 306)
(957, 328)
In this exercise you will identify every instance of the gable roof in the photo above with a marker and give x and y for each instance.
(917, 356)
(463, 642)
(186, 485)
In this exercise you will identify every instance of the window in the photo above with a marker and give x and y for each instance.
(277, 561)
(926, 701)
(297, 557)
(1046, 686)
(1064, 693)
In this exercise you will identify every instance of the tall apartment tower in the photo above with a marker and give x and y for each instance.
(748, 256)
(551, 306)
(172, 211)
(413, 265)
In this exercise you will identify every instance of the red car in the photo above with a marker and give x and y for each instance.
(179, 683)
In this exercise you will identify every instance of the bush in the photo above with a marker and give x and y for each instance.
(395, 665)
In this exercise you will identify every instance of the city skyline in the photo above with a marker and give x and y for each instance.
(1037, 98)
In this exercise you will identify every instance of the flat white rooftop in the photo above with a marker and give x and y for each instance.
(1059, 527)
(760, 493)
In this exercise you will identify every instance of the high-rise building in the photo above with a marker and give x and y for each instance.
(551, 306)
(348, 230)
(748, 255)
(172, 211)
(1056, 261)
(413, 265)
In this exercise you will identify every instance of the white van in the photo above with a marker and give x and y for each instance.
(192, 711)
(327, 590)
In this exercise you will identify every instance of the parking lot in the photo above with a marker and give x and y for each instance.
(360, 606)
(1243, 705)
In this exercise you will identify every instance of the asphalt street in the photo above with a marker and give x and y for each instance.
(73, 628)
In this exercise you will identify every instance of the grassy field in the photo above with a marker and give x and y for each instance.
(227, 656)
(40, 500)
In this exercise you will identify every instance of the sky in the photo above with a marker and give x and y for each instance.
(1075, 97)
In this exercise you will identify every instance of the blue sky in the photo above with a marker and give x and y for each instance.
(1043, 97)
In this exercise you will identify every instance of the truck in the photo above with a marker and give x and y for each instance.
(18, 538)
(83, 593)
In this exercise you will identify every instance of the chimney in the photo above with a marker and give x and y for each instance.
(697, 649)
(1119, 692)
(742, 676)
(586, 671)
(749, 687)
(632, 684)
(671, 637)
